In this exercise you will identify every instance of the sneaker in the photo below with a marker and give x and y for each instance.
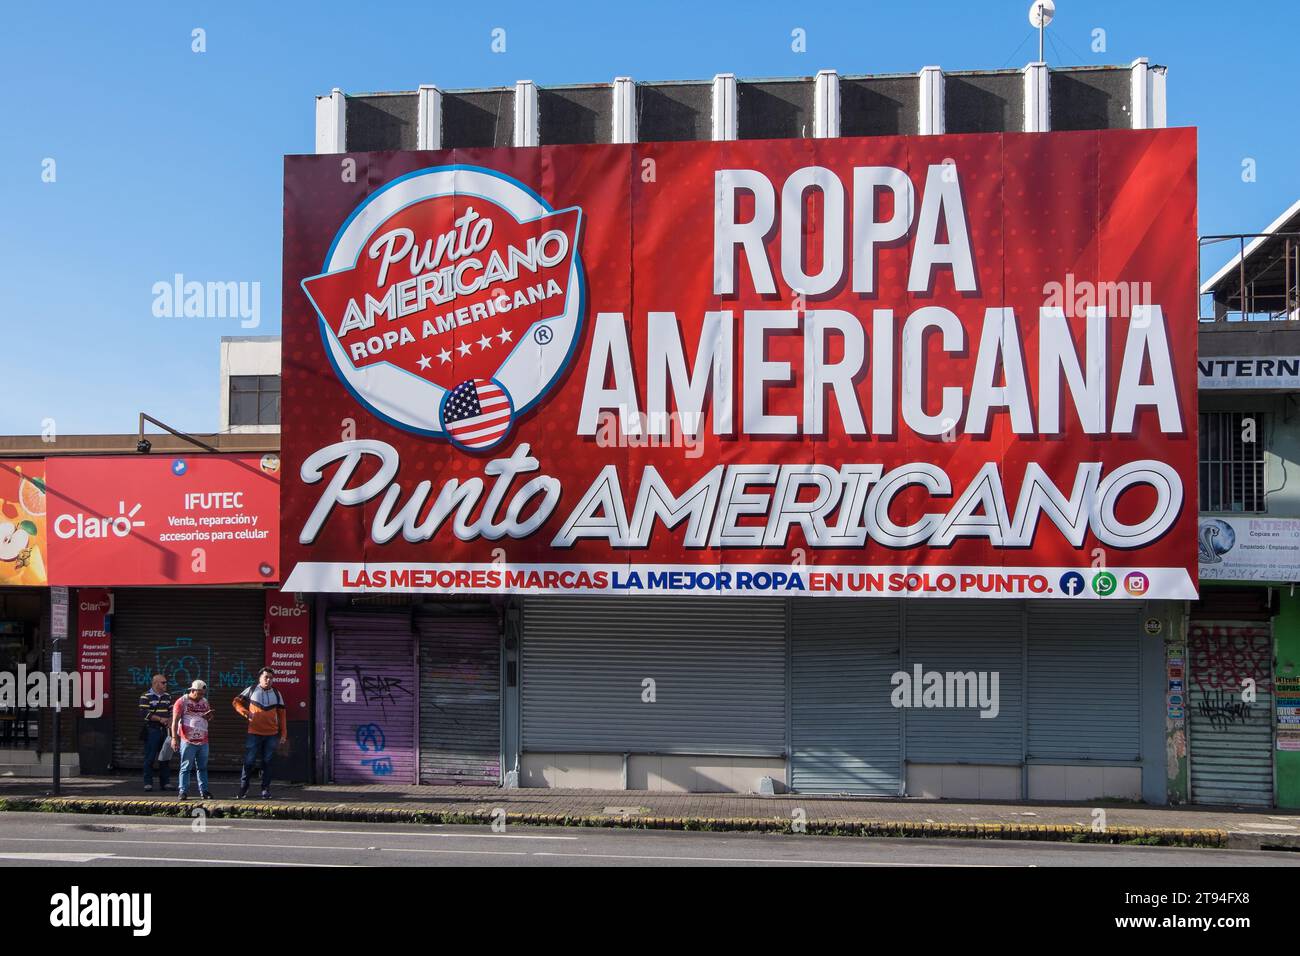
(207, 795)
(243, 792)
(181, 796)
(266, 794)
(148, 788)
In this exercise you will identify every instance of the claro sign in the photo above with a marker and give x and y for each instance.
(934, 366)
(156, 519)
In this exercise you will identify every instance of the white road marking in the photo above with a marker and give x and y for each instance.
(218, 861)
(442, 835)
(56, 857)
(185, 823)
(749, 859)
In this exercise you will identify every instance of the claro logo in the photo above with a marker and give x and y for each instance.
(298, 610)
(81, 525)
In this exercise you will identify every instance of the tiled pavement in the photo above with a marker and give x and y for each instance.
(1277, 827)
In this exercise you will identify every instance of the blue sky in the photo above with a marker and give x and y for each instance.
(169, 161)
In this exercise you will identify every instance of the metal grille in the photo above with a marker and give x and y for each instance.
(1232, 461)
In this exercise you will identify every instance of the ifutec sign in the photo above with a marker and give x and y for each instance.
(864, 341)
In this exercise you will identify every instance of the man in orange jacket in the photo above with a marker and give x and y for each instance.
(268, 726)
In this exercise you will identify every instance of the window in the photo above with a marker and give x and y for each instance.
(1232, 461)
(254, 400)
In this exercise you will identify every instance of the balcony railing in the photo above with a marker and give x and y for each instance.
(1261, 283)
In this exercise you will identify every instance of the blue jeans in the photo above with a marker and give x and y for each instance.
(152, 744)
(257, 746)
(194, 755)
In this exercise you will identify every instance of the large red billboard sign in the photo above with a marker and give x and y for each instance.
(931, 366)
(164, 519)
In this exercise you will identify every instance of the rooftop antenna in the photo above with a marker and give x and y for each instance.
(1040, 15)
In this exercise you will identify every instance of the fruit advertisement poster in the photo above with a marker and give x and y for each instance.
(23, 540)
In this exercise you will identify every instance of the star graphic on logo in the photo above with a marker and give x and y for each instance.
(484, 343)
(464, 348)
(423, 362)
(444, 356)
(504, 335)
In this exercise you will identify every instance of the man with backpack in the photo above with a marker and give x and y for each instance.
(268, 727)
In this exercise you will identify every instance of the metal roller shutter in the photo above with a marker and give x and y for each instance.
(374, 736)
(1084, 682)
(460, 699)
(718, 666)
(960, 635)
(211, 635)
(1230, 740)
(845, 732)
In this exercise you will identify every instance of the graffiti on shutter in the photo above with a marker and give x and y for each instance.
(1230, 696)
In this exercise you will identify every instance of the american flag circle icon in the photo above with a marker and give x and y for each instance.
(477, 414)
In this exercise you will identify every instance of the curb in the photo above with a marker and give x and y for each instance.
(359, 813)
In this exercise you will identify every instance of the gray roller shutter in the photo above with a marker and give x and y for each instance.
(214, 635)
(460, 699)
(1230, 740)
(1084, 682)
(718, 665)
(965, 636)
(374, 735)
(845, 732)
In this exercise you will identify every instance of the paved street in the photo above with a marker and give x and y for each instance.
(34, 839)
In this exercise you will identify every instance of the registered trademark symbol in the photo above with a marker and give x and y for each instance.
(543, 335)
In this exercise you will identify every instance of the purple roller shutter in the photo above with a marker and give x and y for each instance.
(375, 736)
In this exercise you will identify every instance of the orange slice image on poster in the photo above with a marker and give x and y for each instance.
(22, 523)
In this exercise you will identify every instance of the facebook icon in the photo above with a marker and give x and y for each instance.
(1072, 583)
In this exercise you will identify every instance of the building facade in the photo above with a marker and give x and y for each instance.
(759, 693)
(152, 544)
(1243, 732)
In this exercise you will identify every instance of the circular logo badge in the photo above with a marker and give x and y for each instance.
(451, 302)
(1072, 583)
(1214, 539)
(1136, 583)
(1104, 583)
(477, 414)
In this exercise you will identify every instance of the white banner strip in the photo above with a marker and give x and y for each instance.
(736, 579)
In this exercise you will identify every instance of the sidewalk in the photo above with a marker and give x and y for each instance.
(1123, 822)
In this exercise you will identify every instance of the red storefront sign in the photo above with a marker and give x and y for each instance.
(95, 638)
(931, 366)
(288, 641)
(195, 519)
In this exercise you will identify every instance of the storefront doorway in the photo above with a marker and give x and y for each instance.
(20, 647)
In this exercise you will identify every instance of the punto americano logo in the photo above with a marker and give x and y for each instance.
(451, 302)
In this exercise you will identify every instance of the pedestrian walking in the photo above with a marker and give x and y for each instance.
(268, 727)
(190, 718)
(155, 708)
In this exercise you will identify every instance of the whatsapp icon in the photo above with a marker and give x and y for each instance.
(1103, 582)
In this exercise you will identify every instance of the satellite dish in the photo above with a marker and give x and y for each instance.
(1041, 13)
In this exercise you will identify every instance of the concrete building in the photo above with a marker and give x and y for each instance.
(1247, 624)
(250, 384)
(777, 686)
